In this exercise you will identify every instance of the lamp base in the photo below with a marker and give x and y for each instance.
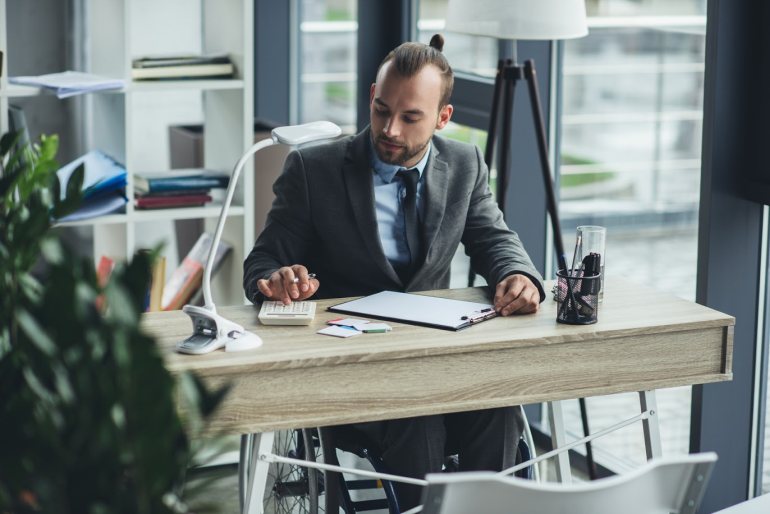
(212, 332)
(240, 341)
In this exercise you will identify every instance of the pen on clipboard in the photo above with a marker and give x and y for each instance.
(295, 280)
(482, 315)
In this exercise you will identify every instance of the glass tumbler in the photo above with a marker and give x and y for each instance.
(590, 254)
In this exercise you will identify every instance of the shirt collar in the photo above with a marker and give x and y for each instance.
(388, 171)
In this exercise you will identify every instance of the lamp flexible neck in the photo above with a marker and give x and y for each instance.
(208, 300)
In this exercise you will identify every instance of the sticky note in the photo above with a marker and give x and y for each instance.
(349, 322)
(376, 327)
(339, 331)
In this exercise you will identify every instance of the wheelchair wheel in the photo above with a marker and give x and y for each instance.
(294, 489)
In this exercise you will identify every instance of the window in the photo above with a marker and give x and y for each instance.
(327, 65)
(470, 54)
(461, 263)
(630, 136)
(630, 160)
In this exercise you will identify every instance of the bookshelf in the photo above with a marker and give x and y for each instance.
(112, 119)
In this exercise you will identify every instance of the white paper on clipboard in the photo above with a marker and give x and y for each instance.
(418, 309)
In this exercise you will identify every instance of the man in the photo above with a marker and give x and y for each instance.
(346, 212)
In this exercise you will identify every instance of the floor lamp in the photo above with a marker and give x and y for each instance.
(528, 20)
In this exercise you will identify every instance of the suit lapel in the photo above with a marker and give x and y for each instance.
(436, 189)
(358, 179)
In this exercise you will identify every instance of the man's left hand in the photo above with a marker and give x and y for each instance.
(516, 294)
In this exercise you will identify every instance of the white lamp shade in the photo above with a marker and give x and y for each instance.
(518, 19)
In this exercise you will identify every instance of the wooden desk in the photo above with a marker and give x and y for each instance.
(644, 340)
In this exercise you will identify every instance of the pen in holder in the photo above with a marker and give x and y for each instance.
(577, 293)
(591, 241)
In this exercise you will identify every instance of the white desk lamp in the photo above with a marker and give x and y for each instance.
(210, 330)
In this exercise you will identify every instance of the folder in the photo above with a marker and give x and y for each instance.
(104, 182)
(416, 309)
(103, 174)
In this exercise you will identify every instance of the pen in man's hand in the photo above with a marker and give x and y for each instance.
(295, 280)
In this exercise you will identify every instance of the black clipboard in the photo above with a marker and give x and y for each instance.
(417, 309)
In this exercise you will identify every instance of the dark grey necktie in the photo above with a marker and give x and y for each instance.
(410, 179)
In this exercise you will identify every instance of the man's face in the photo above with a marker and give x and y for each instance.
(405, 113)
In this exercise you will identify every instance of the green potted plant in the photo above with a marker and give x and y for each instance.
(89, 417)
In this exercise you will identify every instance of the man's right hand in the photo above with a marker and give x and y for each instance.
(289, 283)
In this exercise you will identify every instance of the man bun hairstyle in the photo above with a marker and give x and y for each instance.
(437, 42)
(411, 57)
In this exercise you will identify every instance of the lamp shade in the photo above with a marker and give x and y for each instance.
(518, 19)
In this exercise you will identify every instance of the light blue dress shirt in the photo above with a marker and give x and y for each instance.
(388, 195)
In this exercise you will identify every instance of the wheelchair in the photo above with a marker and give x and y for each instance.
(299, 489)
(293, 489)
(338, 490)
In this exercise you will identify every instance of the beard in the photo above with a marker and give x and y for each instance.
(399, 156)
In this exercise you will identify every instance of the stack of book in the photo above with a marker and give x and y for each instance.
(182, 67)
(177, 188)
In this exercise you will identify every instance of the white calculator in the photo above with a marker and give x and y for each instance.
(296, 313)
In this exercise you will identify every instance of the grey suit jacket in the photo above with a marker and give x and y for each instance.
(324, 217)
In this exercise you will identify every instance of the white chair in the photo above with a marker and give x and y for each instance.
(665, 485)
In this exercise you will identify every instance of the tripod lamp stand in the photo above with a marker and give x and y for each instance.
(514, 20)
(210, 330)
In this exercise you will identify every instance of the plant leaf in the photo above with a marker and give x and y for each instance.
(35, 332)
(56, 189)
(49, 146)
(7, 142)
(8, 181)
(75, 182)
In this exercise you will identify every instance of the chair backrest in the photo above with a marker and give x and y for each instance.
(665, 485)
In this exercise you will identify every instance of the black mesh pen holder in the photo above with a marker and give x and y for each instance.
(578, 297)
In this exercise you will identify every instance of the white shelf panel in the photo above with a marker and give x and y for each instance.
(16, 91)
(99, 220)
(194, 85)
(209, 211)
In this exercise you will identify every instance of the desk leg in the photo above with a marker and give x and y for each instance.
(651, 426)
(243, 468)
(254, 471)
(559, 439)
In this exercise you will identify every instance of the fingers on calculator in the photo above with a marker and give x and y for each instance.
(295, 313)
